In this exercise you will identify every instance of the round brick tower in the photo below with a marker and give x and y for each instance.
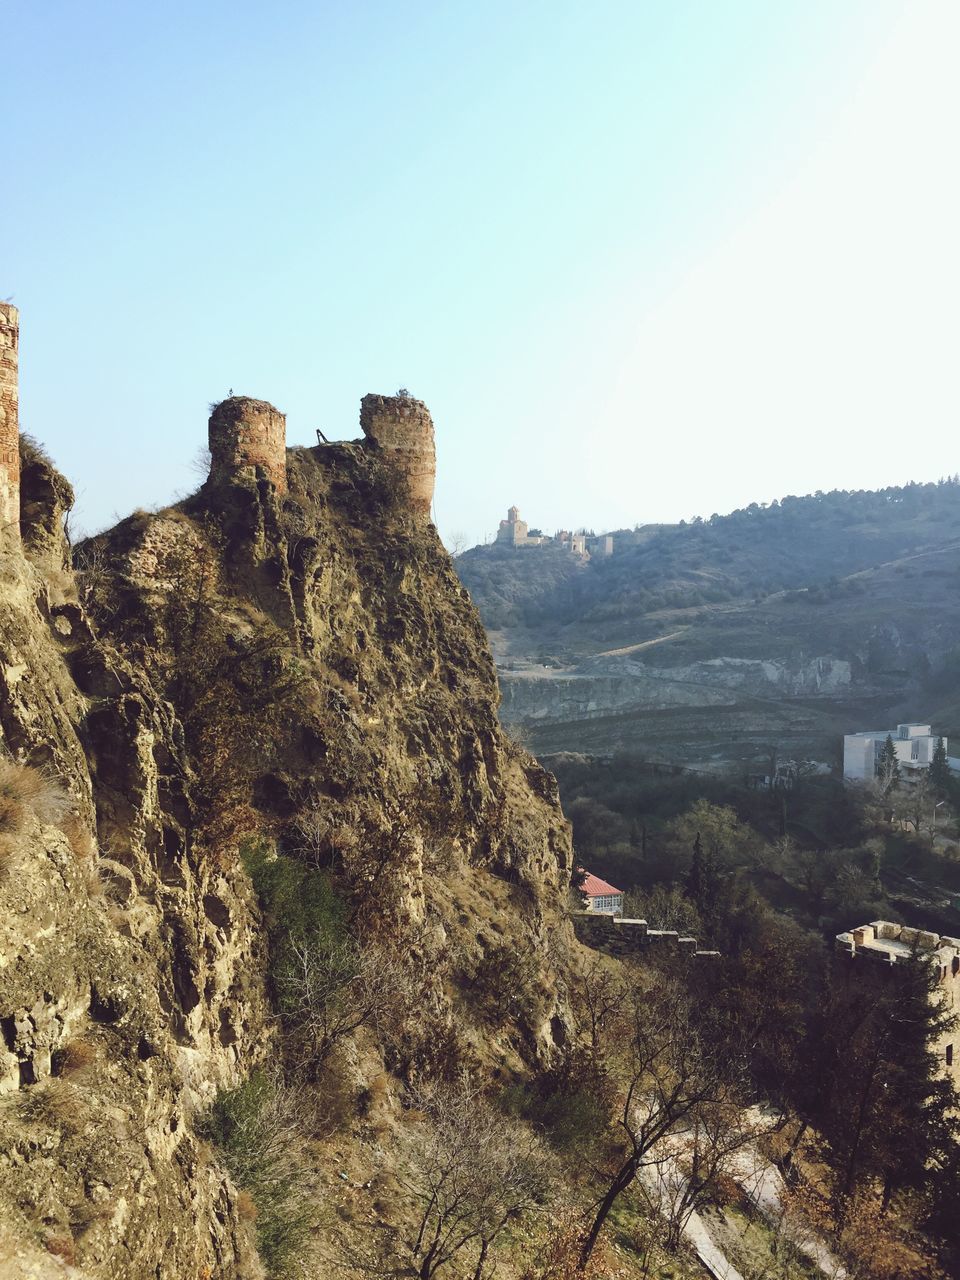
(9, 419)
(248, 435)
(403, 429)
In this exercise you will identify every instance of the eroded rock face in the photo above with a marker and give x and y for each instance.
(106, 958)
(217, 669)
(601, 686)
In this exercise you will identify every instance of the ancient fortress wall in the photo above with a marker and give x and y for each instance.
(888, 943)
(248, 435)
(9, 419)
(403, 429)
(619, 937)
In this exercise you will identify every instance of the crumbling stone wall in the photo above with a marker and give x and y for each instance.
(889, 943)
(9, 419)
(403, 429)
(248, 435)
(619, 937)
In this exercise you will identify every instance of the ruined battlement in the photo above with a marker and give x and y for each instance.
(402, 428)
(248, 436)
(887, 943)
(9, 419)
(890, 943)
(617, 936)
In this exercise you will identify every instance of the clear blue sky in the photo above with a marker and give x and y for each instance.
(641, 260)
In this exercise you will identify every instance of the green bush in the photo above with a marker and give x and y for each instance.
(298, 901)
(257, 1132)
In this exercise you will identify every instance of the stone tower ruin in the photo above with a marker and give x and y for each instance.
(248, 436)
(9, 420)
(403, 429)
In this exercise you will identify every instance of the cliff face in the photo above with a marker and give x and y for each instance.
(300, 671)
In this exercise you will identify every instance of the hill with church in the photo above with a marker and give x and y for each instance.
(710, 640)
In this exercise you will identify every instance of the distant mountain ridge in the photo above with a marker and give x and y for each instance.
(863, 580)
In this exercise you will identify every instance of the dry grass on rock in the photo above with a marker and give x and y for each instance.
(54, 1103)
(26, 789)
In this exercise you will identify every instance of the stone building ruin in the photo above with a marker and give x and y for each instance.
(248, 436)
(620, 937)
(402, 428)
(9, 420)
(884, 942)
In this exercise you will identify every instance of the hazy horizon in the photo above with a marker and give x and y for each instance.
(641, 265)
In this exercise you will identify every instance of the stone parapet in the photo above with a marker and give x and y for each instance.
(403, 429)
(248, 436)
(617, 936)
(9, 419)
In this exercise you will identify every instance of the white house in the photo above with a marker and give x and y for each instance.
(601, 896)
(914, 745)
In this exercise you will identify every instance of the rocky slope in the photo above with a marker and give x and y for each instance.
(300, 672)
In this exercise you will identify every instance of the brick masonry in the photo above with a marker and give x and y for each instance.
(9, 419)
(248, 435)
(403, 429)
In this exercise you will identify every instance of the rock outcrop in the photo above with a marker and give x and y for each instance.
(212, 674)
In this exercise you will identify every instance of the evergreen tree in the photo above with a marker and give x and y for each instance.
(939, 772)
(888, 767)
(701, 880)
(881, 1100)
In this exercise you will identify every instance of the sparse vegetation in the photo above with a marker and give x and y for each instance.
(54, 1103)
(24, 788)
(75, 1059)
(259, 1129)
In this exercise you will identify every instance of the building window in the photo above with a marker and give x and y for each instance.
(949, 1055)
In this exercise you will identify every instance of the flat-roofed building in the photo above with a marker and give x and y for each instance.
(913, 744)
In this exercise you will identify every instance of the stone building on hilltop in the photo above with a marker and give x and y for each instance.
(514, 532)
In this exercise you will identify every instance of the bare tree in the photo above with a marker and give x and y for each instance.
(696, 1161)
(326, 991)
(471, 1171)
(92, 569)
(913, 803)
(664, 1076)
(598, 997)
(321, 836)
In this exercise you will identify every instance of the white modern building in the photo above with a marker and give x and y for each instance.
(914, 745)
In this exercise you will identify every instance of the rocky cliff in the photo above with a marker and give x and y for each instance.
(298, 673)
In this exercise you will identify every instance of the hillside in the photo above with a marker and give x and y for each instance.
(250, 710)
(294, 984)
(714, 641)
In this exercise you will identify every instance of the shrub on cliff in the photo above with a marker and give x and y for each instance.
(258, 1130)
(298, 902)
(23, 788)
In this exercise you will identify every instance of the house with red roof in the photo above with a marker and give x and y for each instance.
(601, 896)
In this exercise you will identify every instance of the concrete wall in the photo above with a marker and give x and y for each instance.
(9, 420)
(403, 429)
(248, 435)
